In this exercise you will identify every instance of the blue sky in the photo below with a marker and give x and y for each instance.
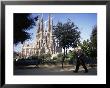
(84, 21)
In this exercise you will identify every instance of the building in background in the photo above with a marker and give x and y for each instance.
(45, 40)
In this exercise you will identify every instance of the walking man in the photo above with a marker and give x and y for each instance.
(80, 60)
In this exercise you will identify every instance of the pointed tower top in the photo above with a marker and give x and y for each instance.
(49, 24)
(39, 24)
(38, 30)
(42, 27)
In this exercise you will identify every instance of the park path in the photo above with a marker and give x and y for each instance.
(53, 70)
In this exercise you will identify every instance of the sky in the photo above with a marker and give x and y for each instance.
(84, 21)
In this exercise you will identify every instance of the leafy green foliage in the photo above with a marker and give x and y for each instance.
(94, 37)
(86, 47)
(60, 55)
(67, 34)
(90, 46)
(71, 55)
(22, 23)
(94, 42)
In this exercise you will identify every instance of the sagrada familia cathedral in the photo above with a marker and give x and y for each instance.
(45, 40)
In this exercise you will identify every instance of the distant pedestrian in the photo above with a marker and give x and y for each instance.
(80, 60)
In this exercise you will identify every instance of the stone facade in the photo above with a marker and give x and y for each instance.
(45, 40)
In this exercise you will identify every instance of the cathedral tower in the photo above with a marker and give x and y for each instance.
(45, 40)
(49, 35)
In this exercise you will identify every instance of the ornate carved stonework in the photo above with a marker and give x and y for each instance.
(45, 40)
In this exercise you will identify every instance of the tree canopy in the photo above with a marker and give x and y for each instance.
(94, 42)
(67, 34)
(22, 23)
(90, 46)
(94, 37)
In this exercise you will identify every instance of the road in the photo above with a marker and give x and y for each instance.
(52, 70)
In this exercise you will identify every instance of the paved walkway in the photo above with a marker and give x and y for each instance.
(52, 70)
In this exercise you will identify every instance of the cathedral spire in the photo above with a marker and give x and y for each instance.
(49, 24)
(39, 24)
(52, 25)
(42, 29)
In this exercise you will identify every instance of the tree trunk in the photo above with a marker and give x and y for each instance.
(66, 51)
(63, 58)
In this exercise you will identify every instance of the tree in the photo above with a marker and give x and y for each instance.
(85, 46)
(67, 35)
(94, 37)
(94, 42)
(60, 56)
(22, 23)
(71, 56)
(90, 46)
